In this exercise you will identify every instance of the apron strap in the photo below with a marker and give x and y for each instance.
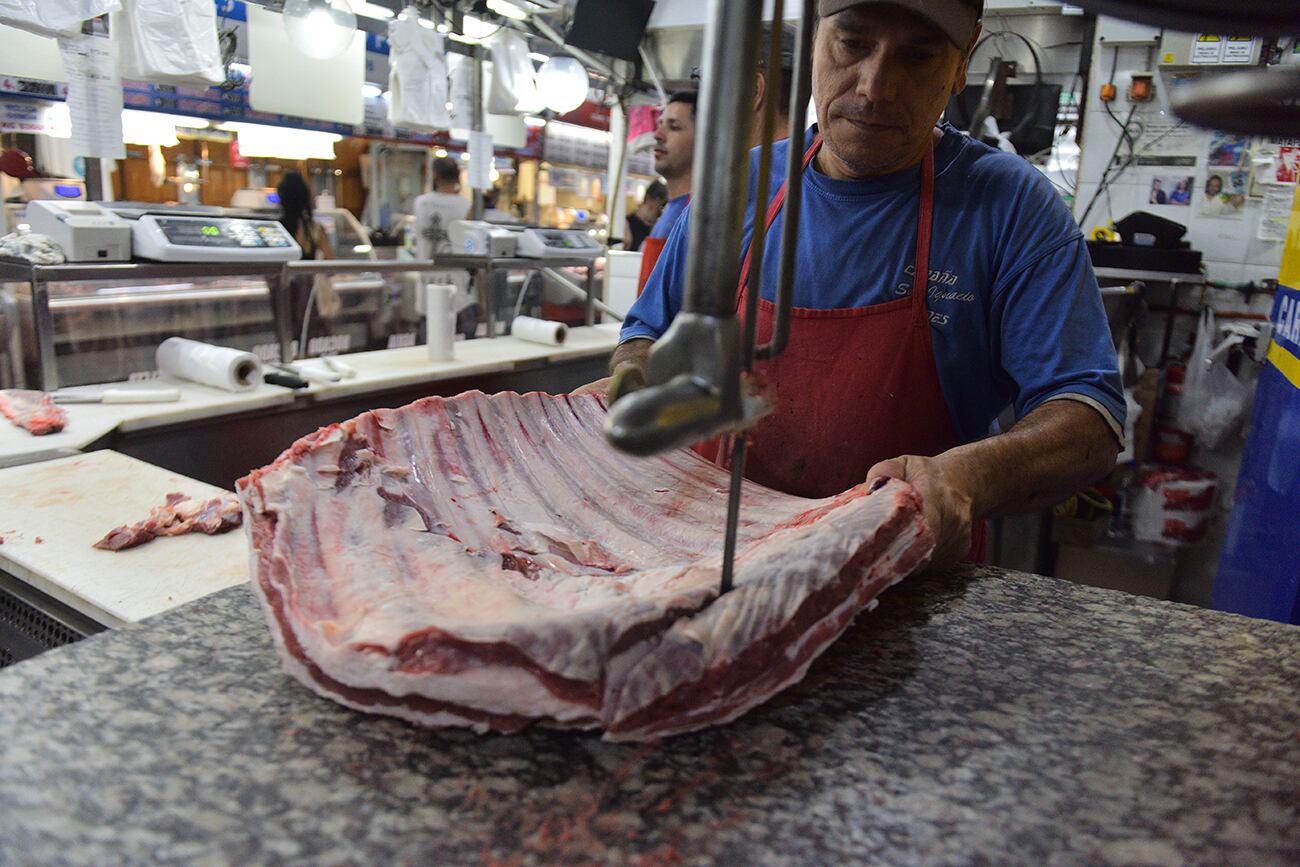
(924, 226)
(778, 202)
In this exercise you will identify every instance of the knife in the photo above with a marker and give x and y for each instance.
(119, 395)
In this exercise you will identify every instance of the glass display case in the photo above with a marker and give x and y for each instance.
(76, 324)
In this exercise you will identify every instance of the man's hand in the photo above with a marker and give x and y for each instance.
(949, 508)
(627, 368)
(1054, 451)
(600, 387)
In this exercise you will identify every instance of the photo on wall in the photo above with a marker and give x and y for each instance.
(1228, 150)
(1172, 190)
(1225, 192)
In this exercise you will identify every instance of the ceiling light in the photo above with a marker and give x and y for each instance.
(440, 153)
(370, 91)
(465, 156)
(374, 10)
(562, 82)
(534, 120)
(474, 30)
(538, 56)
(322, 29)
(508, 9)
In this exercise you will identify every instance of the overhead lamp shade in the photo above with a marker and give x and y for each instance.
(563, 84)
(320, 28)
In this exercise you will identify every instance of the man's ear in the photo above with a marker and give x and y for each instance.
(760, 91)
(959, 80)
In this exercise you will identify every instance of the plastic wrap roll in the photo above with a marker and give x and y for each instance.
(218, 366)
(539, 330)
(439, 327)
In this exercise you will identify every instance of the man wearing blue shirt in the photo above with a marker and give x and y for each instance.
(938, 282)
(674, 162)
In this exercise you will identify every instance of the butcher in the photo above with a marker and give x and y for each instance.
(941, 285)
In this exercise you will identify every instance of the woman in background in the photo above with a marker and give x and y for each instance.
(297, 215)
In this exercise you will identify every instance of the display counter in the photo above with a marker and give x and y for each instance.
(979, 717)
(78, 324)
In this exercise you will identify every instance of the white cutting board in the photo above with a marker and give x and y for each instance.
(70, 503)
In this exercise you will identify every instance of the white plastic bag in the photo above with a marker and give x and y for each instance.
(1215, 402)
(417, 74)
(53, 17)
(168, 42)
(514, 85)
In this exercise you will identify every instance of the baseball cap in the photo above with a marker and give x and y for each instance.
(956, 19)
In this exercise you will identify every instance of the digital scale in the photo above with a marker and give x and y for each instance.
(535, 243)
(184, 238)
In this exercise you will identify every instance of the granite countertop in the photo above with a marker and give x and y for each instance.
(981, 717)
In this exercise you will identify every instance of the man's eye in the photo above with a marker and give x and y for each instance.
(922, 55)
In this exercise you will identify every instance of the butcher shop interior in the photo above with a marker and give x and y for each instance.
(659, 432)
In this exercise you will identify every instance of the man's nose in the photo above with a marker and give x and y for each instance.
(878, 78)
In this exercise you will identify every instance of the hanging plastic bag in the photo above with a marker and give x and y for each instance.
(514, 85)
(460, 74)
(417, 74)
(169, 42)
(53, 17)
(1215, 402)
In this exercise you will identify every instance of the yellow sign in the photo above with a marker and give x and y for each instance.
(1291, 255)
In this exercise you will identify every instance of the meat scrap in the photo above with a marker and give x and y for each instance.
(491, 562)
(33, 411)
(178, 515)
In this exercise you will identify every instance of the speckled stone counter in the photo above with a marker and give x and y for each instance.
(980, 718)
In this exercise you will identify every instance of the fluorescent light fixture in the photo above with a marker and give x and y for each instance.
(538, 56)
(320, 28)
(370, 91)
(263, 140)
(155, 128)
(508, 9)
(373, 10)
(476, 30)
(534, 121)
(57, 120)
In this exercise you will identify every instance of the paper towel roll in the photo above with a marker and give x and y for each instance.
(218, 366)
(539, 330)
(439, 327)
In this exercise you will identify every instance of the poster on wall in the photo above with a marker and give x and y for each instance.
(1172, 190)
(1225, 192)
(1286, 168)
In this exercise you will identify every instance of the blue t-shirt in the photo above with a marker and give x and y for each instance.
(668, 218)
(1015, 312)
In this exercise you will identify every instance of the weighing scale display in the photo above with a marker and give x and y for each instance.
(224, 233)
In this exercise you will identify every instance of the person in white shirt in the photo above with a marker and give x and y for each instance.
(434, 213)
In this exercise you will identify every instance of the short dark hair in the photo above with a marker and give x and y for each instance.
(657, 190)
(446, 169)
(785, 81)
(688, 97)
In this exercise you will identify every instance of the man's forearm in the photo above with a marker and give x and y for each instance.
(1059, 448)
(635, 352)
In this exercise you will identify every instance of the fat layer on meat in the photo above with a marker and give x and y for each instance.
(492, 562)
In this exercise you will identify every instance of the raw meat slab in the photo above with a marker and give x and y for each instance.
(33, 411)
(491, 562)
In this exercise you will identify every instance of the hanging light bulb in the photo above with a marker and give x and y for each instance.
(563, 83)
(508, 8)
(320, 28)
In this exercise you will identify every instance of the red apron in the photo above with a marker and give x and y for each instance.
(854, 386)
(650, 250)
